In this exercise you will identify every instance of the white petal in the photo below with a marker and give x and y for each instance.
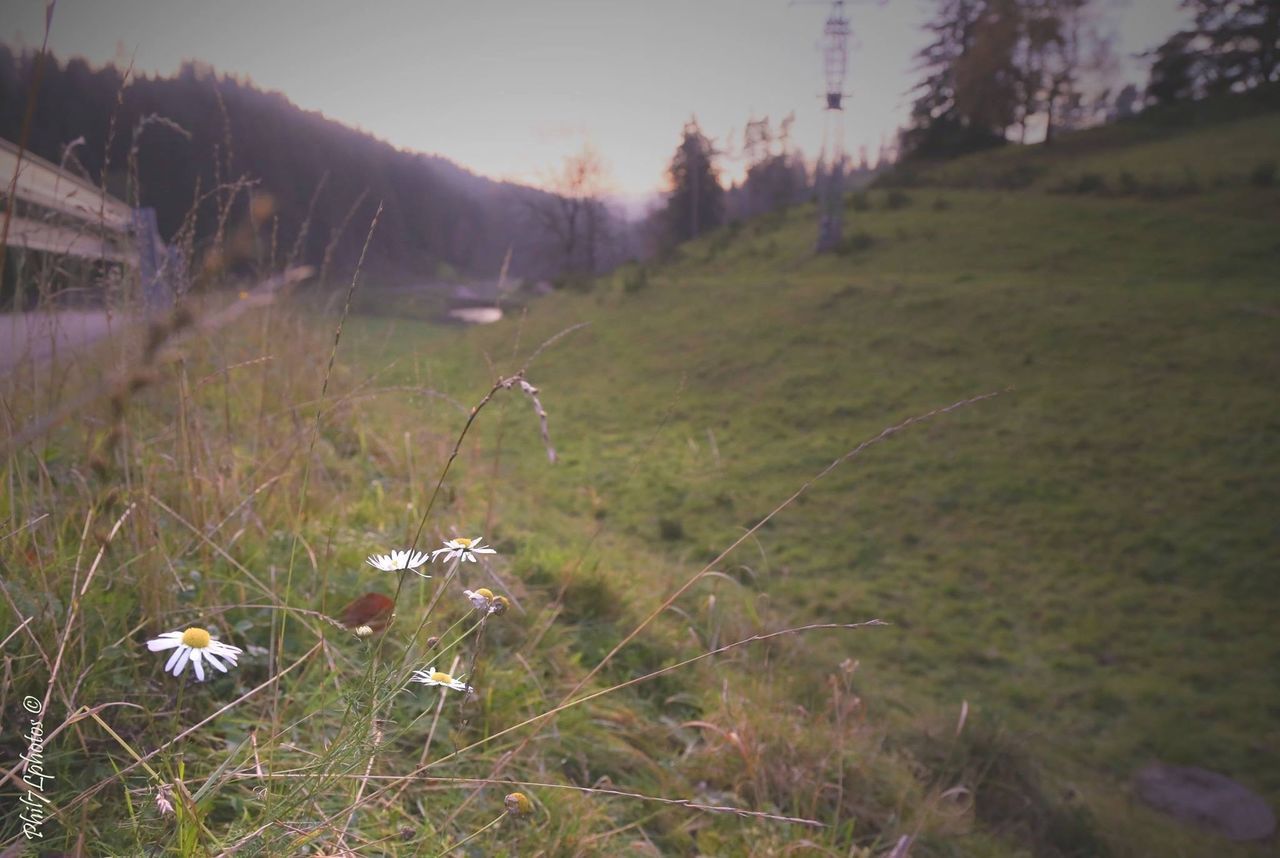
(183, 655)
(173, 659)
(197, 661)
(209, 657)
(163, 643)
(227, 651)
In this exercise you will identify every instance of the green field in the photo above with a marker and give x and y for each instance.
(1089, 560)
(1086, 565)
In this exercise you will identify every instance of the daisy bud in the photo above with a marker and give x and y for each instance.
(518, 804)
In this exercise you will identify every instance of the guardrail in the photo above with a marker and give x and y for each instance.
(58, 212)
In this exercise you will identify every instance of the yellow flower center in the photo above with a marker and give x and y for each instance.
(442, 678)
(486, 593)
(463, 541)
(196, 638)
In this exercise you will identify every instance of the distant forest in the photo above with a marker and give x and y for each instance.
(198, 130)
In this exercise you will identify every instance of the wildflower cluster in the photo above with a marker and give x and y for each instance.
(365, 616)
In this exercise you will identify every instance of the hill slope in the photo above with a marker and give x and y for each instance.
(1079, 572)
(1088, 560)
(216, 129)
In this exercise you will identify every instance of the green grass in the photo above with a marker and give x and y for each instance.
(1170, 153)
(1088, 559)
(1086, 562)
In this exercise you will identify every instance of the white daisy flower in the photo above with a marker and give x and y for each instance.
(431, 676)
(462, 548)
(197, 646)
(398, 561)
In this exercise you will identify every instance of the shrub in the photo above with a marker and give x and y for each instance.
(855, 243)
(1190, 182)
(1019, 176)
(1008, 791)
(1263, 175)
(670, 529)
(1091, 183)
(897, 199)
(1088, 183)
(636, 279)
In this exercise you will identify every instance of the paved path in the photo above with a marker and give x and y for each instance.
(38, 335)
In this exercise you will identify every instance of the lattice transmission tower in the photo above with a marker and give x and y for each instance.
(835, 66)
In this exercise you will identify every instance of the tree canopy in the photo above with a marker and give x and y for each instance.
(1231, 46)
(992, 66)
(695, 202)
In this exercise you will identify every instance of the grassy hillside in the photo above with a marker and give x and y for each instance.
(1078, 574)
(1088, 560)
(1176, 151)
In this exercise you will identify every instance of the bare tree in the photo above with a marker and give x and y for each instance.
(575, 214)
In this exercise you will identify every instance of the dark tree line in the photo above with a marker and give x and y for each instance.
(1231, 46)
(776, 175)
(697, 200)
(993, 68)
(216, 129)
(695, 203)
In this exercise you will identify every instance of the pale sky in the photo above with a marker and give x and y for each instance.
(508, 89)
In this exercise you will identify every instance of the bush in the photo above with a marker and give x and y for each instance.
(635, 279)
(1091, 183)
(855, 243)
(670, 529)
(1008, 791)
(1263, 175)
(860, 202)
(1190, 182)
(1088, 183)
(897, 199)
(1020, 176)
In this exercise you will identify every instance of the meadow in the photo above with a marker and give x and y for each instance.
(1076, 575)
